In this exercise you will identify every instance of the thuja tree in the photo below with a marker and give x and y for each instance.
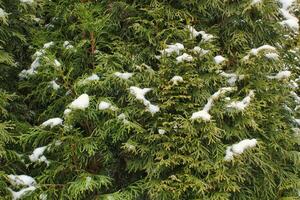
(164, 100)
(15, 23)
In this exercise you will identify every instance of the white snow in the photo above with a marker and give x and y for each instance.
(81, 103)
(67, 111)
(93, 77)
(290, 21)
(27, 1)
(123, 117)
(43, 196)
(232, 77)
(52, 122)
(297, 121)
(173, 48)
(67, 45)
(104, 105)
(54, 85)
(23, 180)
(21, 193)
(36, 63)
(239, 148)
(161, 131)
(3, 14)
(255, 2)
(37, 155)
(293, 84)
(176, 79)
(32, 69)
(194, 33)
(281, 75)
(272, 56)
(153, 108)
(200, 51)
(139, 94)
(205, 36)
(241, 105)
(204, 113)
(57, 63)
(88, 181)
(184, 57)
(125, 75)
(219, 59)
(48, 45)
(255, 51)
(295, 96)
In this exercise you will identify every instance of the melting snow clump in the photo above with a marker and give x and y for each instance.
(81, 103)
(184, 57)
(232, 77)
(176, 79)
(281, 75)
(219, 59)
(204, 113)
(239, 148)
(54, 85)
(22, 192)
(173, 48)
(104, 105)
(52, 122)
(37, 155)
(125, 75)
(23, 180)
(194, 33)
(241, 105)
(139, 94)
(200, 51)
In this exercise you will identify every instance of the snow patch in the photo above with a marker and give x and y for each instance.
(23, 180)
(176, 79)
(194, 33)
(52, 122)
(103, 105)
(139, 94)
(27, 1)
(200, 51)
(67, 111)
(255, 2)
(184, 57)
(67, 45)
(204, 113)
(54, 85)
(281, 75)
(239, 148)
(161, 131)
(21, 193)
(37, 155)
(241, 105)
(232, 77)
(272, 56)
(173, 48)
(81, 103)
(3, 14)
(123, 117)
(36, 63)
(125, 75)
(219, 59)
(290, 21)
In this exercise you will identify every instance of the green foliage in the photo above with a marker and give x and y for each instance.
(127, 152)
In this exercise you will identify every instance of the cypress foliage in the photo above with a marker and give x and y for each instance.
(15, 25)
(163, 100)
